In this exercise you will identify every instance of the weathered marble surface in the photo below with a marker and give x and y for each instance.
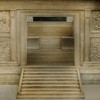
(95, 20)
(4, 21)
(5, 28)
(95, 49)
(4, 49)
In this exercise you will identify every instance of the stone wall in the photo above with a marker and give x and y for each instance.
(95, 36)
(10, 44)
(5, 45)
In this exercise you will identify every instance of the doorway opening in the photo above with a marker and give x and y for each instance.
(50, 40)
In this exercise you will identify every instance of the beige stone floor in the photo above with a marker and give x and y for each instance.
(8, 92)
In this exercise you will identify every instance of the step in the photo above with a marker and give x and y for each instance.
(50, 85)
(48, 93)
(48, 72)
(49, 79)
(51, 89)
(49, 76)
(66, 73)
(50, 69)
(50, 97)
(49, 66)
(49, 82)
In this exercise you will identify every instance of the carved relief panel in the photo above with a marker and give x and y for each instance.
(95, 20)
(5, 53)
(4, 50)
(4, 21)
(95, 36)
(95, 49)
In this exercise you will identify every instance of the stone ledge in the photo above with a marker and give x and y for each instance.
(90, 75)
(10, 70)
(9, 75)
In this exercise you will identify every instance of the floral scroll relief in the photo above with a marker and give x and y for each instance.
(95, 49)
(95, 20)
(4, 21)
(4, 50)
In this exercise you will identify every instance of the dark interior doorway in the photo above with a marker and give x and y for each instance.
(50, 40)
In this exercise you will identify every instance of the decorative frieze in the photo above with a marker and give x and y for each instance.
(95, 20)
(4, 21)
(95, 49)
(4, 50)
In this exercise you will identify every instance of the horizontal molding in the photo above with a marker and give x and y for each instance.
(10, 75)
(10, 64)
(91, 64)
(90, 82)
(95, 31)
(90, 73)
(95, 35)
(90, 78)
(9, 79)
(10, 70)
(4, 35)
(48, 4)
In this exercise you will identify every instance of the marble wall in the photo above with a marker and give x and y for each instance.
(95, 36)
(9, 42)
(5, 48)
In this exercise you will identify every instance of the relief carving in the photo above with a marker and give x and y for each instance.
(4, 50)
(95, 20)
(4, 21)
(95, 49)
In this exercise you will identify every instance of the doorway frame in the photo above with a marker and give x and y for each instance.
(22, 32)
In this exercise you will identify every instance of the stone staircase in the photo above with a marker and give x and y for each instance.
(50, 83)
